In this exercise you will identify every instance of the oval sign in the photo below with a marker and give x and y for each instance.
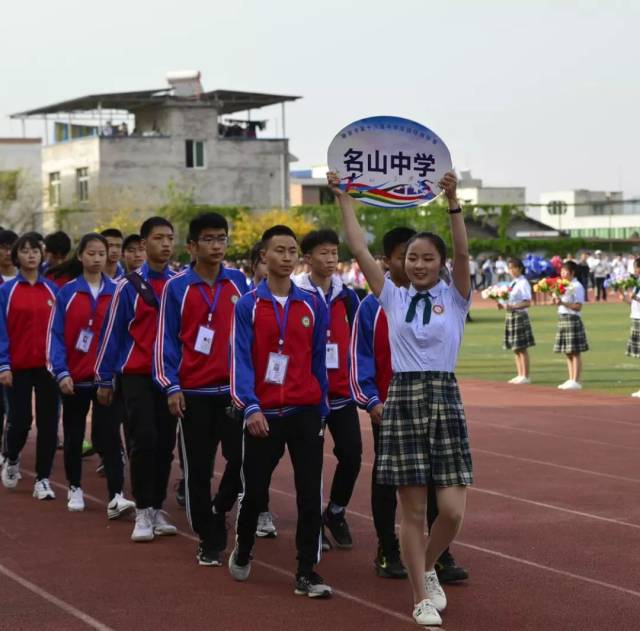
(389, 162)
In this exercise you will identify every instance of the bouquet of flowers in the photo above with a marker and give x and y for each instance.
(622, 283)
(554, 286)
(496, 292)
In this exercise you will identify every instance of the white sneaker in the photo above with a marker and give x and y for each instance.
(10, 474)
(636, 394)
(42, 490)
(75, 498)
(143, 530)
(161, 525)
(426, 614)
(118, 506)
(563, 386)
(512, 380)
(572, 385)
(266, 526)
(520, 380)
(435, 593)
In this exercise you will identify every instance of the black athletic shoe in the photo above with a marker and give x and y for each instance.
(219, 539)
(208, 556)
(180, 494)
(312, 585)
(326, 544)
(389, 567)
(337, 525)
(448, 570)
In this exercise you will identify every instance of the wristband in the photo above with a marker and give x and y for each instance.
(454, 211)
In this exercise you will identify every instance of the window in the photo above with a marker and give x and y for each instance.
(8, 186)
(194, 158)
(54, 189)
(82, 184)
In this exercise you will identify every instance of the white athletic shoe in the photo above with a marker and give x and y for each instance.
(424, 613)
(42, 490)
(572, 385)
(636, 394)
(520, 381)
(563, 386)
(435, 593)
(10, 474)
(514, 379)
(75, 499)
(143, 530)
(161, 525)
(266, 526)
(118, 506)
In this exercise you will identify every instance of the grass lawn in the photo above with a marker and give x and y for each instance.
(605, 366)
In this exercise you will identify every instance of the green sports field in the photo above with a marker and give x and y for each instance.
(606, 367)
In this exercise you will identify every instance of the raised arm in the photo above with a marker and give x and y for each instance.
(460, 273)
(355, 236)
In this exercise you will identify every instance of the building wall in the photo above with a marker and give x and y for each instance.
(498, 195)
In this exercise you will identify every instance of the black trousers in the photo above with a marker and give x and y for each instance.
(150, 435)
(20, 417)
(204, 427)
(601, 290)
(344, 425)
(303, 435)
(105, 432)
(3, 411)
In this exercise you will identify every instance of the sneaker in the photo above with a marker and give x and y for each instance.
(161, 525)
(10, 474)
(181, 499)
(636, 394)
(312, 585)
(337, 525)
(100, 470)
(266, 526)
(424, 613)
(87, 449)
(435, 593)
(448, 570)
(143, 530)
(563, 386)
(572, 385)
(326, 544)
(239, 567)
(219, 540)
(42, 490)
(389, 566)
(75, 499)
(520, 381)
(206, 555)
(118, 506)
(514, 379)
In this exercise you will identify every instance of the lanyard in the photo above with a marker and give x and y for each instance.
(282, 323)
(211, 305)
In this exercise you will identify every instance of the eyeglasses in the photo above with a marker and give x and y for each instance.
(222, 240)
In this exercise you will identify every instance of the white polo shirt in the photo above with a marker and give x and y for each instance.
(519, 292)
(417, 347)
(575, 293)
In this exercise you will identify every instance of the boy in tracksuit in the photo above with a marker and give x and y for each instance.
(279, 381)
(191, 364)
(320, 251)
(126, 347)
(370, 378)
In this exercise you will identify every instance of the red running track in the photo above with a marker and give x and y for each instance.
(550, 539)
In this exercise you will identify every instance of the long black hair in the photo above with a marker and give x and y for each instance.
(72, 268)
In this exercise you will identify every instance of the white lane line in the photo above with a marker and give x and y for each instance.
(54, 600)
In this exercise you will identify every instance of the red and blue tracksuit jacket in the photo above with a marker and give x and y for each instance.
(129, 331)
(370, 354)
(176, 364)
(25, 311)
(342, 303)
(77, 310)
(256, 333)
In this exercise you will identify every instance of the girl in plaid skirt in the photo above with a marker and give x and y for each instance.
(571, 338)
(423, 433)
(632, 297)
(518, 335)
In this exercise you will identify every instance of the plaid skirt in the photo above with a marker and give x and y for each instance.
(570, 335)
(517, 331)
(423, 435)
(633, 345)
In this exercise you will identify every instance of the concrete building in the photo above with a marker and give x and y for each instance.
(20, 188)
(472, 191)
(123, 150)
(584, 213)
(308, 187)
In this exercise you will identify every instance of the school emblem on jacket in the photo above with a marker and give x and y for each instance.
(234, 298)
(50, 303)
(306, 321)
(438, 309)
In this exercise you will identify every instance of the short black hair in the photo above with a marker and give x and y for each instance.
(516, 262)
(636, 262)
(32, 239)
(435, 239)
(319, 237)
(8, 237)
(204, 221)
(255, 253)
(58, 243)
(395, 237)
(571, 266)
(114, 233)
(132, 238)
(277, 231)
(153, 222)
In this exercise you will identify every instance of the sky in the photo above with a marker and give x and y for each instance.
(542, 94)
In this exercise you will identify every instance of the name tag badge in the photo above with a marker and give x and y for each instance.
(332, 357)
(83, 343)
(204, 340)
(276, 368)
